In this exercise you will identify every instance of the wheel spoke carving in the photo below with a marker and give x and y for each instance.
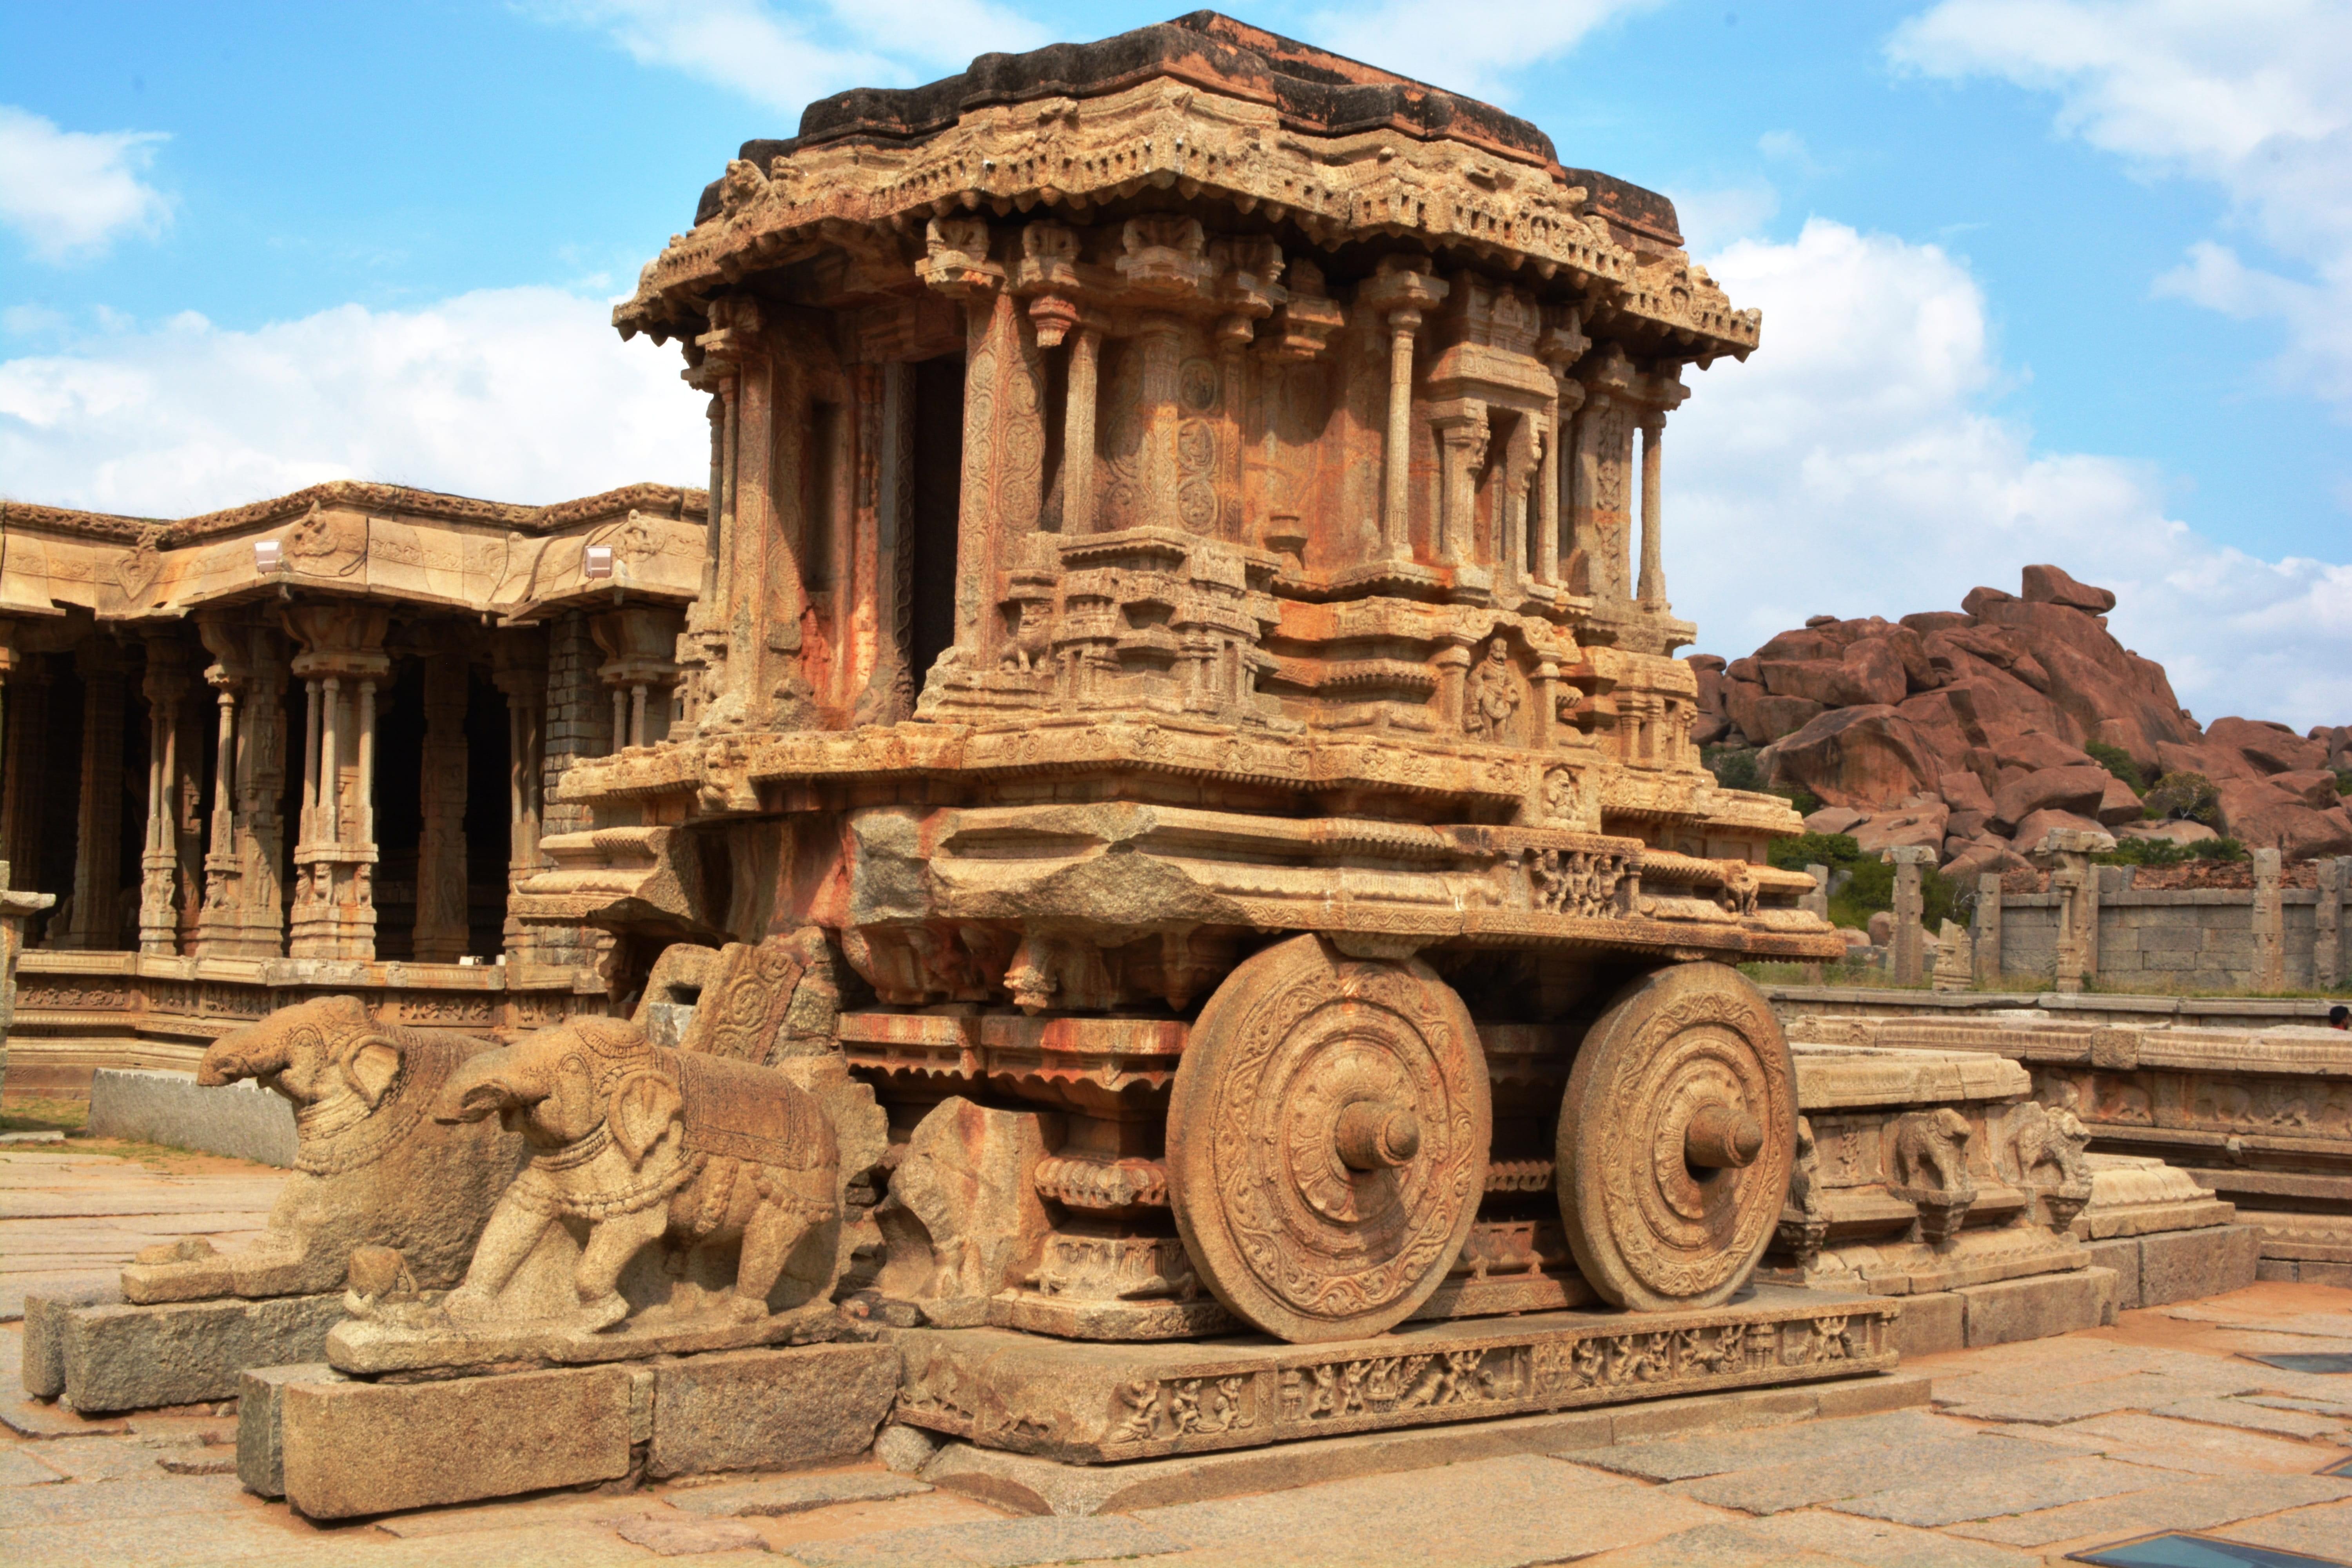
(1327, 1140)
(1676, 1137)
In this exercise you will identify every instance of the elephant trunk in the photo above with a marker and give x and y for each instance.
(243, 1053)
(480, 1088)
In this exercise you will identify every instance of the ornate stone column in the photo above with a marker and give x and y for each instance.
(2328, 969)
(520, 672)
(158, 871)
(1159, 474)
(98, 824)
(1462, 437)
(440, 934)
(1666, 396)
(1079, 409)
(343, 658)
(2269, 919)
(1908, 951)
(1598, 521)
(244, 914)
(1402, 290)
(1984, 932)
(889, 694)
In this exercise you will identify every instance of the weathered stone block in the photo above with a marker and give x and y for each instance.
(44, 1369)
(260, 1422)
(355, 1448)
(2037, 1307)
(2178, 1266)
(769, 1409)
(2122, 1254)
(184, 1353)
(1931, 1323)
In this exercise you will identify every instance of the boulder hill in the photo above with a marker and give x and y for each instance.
(1967, 731)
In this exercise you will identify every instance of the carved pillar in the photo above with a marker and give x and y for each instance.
(890, 692)
(159, 868)
(1461, 453)
(2269, 923)
(1985, 932)
(1559, 347)
(1079, 407)
(2328, 969)
(522, 674)
(1404, 290)
(98, 824)
(702, 647)
(1161, 341)
(335, 858)
(244, 914)
(1522, 458)
(1908, 951)
(441, 934)
(1599, 520)
(1651, 591)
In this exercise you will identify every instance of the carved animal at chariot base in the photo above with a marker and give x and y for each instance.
(372, 1168)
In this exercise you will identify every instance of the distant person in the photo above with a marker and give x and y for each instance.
(2339, 1016)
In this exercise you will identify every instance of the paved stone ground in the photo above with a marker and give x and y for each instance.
(2031, 1450)
(69, 1216)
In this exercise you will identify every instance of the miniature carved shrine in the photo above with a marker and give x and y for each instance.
(1172, 623)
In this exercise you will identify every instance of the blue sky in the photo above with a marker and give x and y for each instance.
(2042, 279)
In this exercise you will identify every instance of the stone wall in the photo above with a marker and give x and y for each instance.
(2208, 939)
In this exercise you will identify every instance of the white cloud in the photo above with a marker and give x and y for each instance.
(515, 394)
(2254, 98)
(1851, 468)
(71, 193)
(1470, 46)
(788, 60)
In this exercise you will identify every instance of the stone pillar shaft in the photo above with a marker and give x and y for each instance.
(1396, 490)
(2269, 923)
(1985, 933)
(1547, 561)
(1079, 432)
(99, 821)
(1652, 588)
(2328, 968)
(440, 935)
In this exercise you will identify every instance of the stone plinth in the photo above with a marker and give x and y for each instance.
(112, 1356)
(338, 1448)
(1087, 1403)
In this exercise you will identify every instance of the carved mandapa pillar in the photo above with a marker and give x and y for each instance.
(1078, 410)
(889, 694)
(2328, 968)
(342, 664)
(441, 935)
(1598, 521)
(520, 671)
(244, 914)
(98, 824)
(165, 684)
(1651, 589)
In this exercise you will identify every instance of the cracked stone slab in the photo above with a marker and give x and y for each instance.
(2022, 1489)
(2056, 1405)
(19, 1468)
(2178, 1504)
(1808, 1537)
(1948, 1461)
(1714, 1453)
(793, 1494)
(2257, 1414)
(103, 1503)
(1000, 1543)
(667, 1535)
(2193, 1445)
(1490, 1513)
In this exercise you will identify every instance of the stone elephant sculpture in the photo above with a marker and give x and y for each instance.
(372, 1168)
(639, 1144)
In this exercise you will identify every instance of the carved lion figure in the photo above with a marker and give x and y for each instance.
(641, 1144)
(372, 1168)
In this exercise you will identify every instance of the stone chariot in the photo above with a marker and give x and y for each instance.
(1171, 620)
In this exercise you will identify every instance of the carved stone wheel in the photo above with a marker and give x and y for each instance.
(1327, 1140)
(1676, 1137)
